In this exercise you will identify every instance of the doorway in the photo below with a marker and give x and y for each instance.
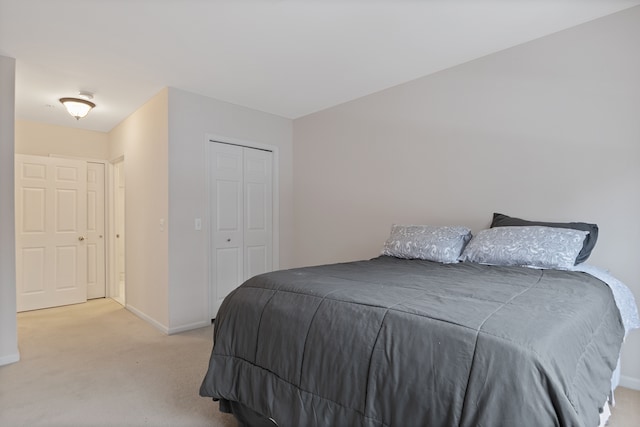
(241, 198)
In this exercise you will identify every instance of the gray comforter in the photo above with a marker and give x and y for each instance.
(391, 342)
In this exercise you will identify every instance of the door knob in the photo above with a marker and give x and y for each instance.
(81, 238)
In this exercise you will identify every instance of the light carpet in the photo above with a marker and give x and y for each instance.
(96, 364)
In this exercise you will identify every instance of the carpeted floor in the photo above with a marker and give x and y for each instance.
(96, 364)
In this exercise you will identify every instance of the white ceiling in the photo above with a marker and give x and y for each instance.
(286, 57)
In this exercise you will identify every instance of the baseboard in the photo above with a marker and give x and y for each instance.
(630, 382)
(162, 328)
(159, 326)
(189, 327)
(10, 358)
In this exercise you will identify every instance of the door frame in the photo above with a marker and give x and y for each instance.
(275, 200)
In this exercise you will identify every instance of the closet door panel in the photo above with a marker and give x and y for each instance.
(227, 209)
(258, 215)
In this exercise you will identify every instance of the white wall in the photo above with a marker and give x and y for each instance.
(547, 130)
(42, 139)
(8, 328)
(191, 118)
(163, 144)
(142, 139)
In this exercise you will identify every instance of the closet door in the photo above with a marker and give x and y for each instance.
(241, 217)
(118, 284)
(226, 165)
(258, 257)
(96, 260)
(51, 226)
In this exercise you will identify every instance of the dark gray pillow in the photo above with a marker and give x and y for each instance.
(501, 220)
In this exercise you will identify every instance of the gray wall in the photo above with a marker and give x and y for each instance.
(163, 144)
(548, 130)
(8, 334)
(191, 118)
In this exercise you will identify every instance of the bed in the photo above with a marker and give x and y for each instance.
(400, 341)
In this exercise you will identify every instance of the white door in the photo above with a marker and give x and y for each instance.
(96, 261)
(258, 212)
(51, 226)
(227, 220)
(241, 217)
(119, 218)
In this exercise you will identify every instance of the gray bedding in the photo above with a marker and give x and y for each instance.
(391, 342)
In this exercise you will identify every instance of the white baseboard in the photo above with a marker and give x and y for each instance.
(164, 329)
(630, 382)
(189, 327)
(159, 326)
(10, 358)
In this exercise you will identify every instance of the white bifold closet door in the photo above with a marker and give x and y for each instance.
(241, 217)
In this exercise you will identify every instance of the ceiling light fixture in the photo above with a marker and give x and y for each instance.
(78, 107)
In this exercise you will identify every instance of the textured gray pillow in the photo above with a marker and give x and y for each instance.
(440, 244)
(536, 246)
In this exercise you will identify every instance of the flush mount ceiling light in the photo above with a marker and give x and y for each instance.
(78, 107)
